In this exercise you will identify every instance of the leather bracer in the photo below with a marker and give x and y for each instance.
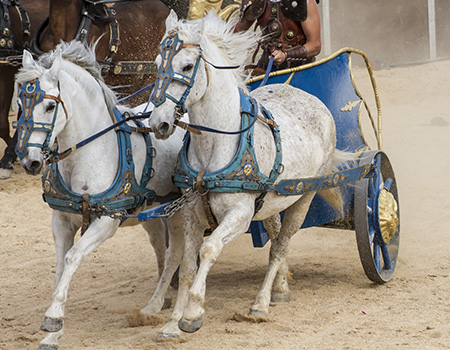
(296, 56)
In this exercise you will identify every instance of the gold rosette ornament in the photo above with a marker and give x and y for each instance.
(387, 215)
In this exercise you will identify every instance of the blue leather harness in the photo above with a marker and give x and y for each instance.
(124, 194)
(242, 173)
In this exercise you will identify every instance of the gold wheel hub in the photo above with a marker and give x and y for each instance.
(387, 215)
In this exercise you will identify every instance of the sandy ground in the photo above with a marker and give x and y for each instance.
(334, 305)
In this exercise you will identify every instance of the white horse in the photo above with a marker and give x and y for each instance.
(76, 105)
(191, 53)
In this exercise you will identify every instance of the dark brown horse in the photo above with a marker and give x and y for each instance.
(129, 32)
(37, 10)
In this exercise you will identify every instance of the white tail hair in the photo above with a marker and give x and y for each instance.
(333, 196)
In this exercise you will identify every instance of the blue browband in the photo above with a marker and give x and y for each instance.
(170, 46)
(242, 173)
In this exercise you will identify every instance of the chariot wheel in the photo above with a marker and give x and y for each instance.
(377, 221)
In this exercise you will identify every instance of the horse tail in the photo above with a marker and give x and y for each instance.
(333, 196)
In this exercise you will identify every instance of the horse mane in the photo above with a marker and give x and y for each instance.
(235, 48)
(77, 53)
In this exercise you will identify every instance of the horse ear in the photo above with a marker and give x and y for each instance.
(56, 67)
(171, 20)
(27, 59)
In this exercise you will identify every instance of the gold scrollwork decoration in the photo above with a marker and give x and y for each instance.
(126, 188)
(350, 105)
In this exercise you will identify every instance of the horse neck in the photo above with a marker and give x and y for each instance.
(219, 108)
(87, 115)
(64, 18)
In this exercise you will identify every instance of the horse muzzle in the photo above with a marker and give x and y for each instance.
(33, 161)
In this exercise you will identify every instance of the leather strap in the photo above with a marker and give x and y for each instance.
(204, 196)
(86, 213)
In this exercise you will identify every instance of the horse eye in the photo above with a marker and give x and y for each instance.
(188, 67)
(50, 107)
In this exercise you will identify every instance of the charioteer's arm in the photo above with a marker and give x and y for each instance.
(313, 45)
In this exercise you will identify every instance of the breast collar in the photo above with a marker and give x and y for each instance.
(124, 194)
(242, 173)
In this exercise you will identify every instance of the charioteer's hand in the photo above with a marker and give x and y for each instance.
(279, 57)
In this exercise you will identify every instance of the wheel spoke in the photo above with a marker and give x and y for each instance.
(376, 181)
(371, 234)
(388, 183)
(377, 255)
(386, 257)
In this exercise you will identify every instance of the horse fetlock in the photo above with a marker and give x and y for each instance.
(50, 324)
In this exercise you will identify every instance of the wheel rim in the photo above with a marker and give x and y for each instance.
(377, 221)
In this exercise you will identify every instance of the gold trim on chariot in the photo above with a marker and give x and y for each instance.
(378, 128)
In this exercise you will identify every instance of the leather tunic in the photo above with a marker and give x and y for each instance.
(279, 31)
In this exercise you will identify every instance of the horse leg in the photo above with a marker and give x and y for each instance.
(235, 222)
(96, 234)
(156, 231)
(188, 269)
(173, 256)
(280, 288)
(292, 221)
(63, 235)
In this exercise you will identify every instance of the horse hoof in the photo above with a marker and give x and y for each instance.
(5, 173)
(165, 337)
(280, 297)
(190, 326)
(52, 324)
(48, 347)
(257, 314)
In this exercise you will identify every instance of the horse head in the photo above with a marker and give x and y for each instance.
(197, 57)
(43, 113)
(182, 76)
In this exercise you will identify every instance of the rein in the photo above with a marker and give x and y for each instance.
(170, 46)
(55, 157)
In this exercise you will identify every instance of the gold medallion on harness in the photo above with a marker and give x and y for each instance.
(117, 69)
(47, 186)
(248, 170)
(127, 188)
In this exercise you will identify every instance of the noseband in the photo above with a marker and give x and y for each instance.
(31, 95)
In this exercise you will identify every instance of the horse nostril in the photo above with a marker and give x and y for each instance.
(163, 128)
(35, 166)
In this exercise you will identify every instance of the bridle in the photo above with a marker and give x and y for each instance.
(168, 48)
(31, 95)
